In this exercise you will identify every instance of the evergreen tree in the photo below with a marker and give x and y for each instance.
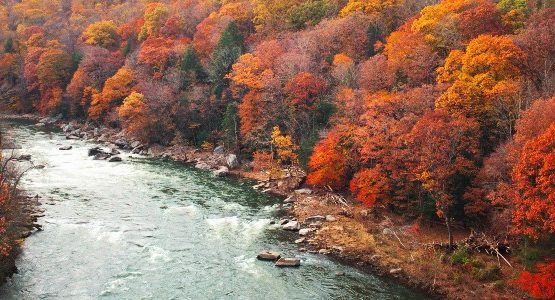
(374, 35)
(230, 126)
(191, 68)
(9, 46)
(227, 51)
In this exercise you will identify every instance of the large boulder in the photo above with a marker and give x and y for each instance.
(288, 262)
(232, 161)
(268, 255)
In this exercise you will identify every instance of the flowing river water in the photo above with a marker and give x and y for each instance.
(151, 229)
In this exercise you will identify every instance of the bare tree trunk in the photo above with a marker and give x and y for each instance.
(448, 225)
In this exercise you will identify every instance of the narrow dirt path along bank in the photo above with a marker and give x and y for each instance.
(154, 228)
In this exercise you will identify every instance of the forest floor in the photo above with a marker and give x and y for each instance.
(376, 241)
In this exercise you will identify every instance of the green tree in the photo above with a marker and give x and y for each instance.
(374, 35)
(227, 51)
(191, 68)
(9, 46)
(230, 125)
(309, 13)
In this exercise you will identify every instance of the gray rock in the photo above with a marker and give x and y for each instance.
(232, 161)
(305, 231)
(292, 226)
(39, 167)
(121, 143)
(219, 150)
(65, 148)
(268, 255)
(68, 128)
(395, 271)
(103, 138)
(300, 241)
(94, 151)
(324, 251)
(101, 156)
(135, 144)
(316, 224)
(290, 199)
(25, 157)
(304, 191)
(315, 218)
(72, 137)
(283, 222)
(331, 218)
(221, 172)
(388, 231)
(288, 262)
(115, 159)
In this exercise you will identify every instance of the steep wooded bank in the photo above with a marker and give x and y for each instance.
(18, 213)
(436, 112)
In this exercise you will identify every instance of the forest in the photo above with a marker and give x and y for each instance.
(435, 110)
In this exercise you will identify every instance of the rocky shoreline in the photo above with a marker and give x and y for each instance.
(327, 223)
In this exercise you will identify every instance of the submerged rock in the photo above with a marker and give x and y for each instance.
(288, 262)
(268, 255)
(101, 156)
(65, 148)
(115, 159)
(25, 157)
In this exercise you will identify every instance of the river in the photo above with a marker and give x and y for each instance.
(152, 229)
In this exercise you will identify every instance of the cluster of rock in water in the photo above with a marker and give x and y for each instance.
(312, 223)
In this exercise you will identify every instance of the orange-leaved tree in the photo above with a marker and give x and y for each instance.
(534, 178)
(115, 90)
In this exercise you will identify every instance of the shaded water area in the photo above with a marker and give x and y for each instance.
(152, 229)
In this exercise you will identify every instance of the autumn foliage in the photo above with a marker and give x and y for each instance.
(541, 284)
(438, 111)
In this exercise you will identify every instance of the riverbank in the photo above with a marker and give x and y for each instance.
(20, 212)
(336, 225)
